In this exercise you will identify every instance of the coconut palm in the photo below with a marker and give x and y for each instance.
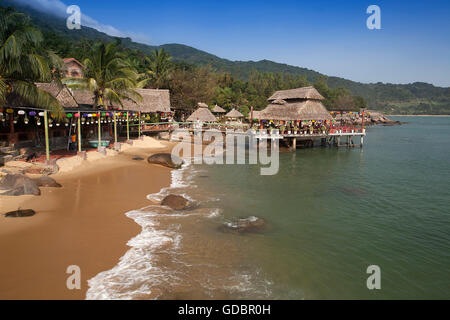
(160, 65)
(108, 75)
(23, 62)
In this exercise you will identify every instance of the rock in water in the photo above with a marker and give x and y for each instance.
(18, 184)
(251, 224)
(166, 159)
(46, 181)
(175, 202)
(20, 213)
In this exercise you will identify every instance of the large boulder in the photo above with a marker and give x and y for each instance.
(46, 181)
(175, 202)
(18, 184)
(250, 224)
(166, 159)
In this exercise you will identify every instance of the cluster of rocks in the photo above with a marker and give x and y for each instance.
(370, 118)
(17, 184)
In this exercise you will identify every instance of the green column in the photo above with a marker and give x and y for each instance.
(47, 145)
(79, 131)
(99, 131)
(115, 128)
(139, 124)
(128, 127)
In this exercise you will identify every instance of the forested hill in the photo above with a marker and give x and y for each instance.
(415, 98)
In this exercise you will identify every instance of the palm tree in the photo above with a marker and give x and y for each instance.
(108, 75)
(23, 62)
(160, 65)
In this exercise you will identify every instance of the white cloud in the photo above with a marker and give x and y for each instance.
(59, 8)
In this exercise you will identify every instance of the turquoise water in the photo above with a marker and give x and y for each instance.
(333, 212)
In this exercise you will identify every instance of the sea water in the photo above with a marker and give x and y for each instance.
(330, 213)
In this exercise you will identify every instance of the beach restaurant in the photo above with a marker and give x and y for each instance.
(295, 111)
(82, 126)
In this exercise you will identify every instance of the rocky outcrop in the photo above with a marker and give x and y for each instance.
(250, 224)
(17, 185)
(166, 159)
(175, 202)
(370, 118)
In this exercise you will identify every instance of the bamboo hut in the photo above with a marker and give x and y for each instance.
(153, 101)
(218, 109)
(202, 114)
(296, 105)
(60, 92)
(234, 114)
(256, 115)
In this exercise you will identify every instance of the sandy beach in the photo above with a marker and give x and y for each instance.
(83, 223)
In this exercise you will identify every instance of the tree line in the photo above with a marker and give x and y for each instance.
(113, 72)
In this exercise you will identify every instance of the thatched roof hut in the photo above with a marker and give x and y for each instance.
(60, 92)
(57, 90)
(202, 114)
(153, 100)
(234, 114)
(84, 97)
(202, 105)
(299, 93)
(218, 109)
(256, 115)
(296, 104)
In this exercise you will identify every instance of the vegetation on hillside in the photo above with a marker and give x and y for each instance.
(241, 83)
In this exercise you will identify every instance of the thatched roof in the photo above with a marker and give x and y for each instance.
(153, 100)
(218, 109)
(256, 115)
(60, 92)
(202, 105)
(83, 97)
(234, 114)
(202, 114)
(299, 93)
(303, 110)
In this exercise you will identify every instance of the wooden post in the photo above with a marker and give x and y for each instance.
(115, 128)
(128, 127)
(47, 145)
(139, 125)
(79, 131)
(294, 144)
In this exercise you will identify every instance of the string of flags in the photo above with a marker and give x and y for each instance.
(87, 118)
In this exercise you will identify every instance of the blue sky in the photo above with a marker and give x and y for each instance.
(327, 36)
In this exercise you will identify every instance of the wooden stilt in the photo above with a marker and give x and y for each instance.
(128, 127)
(79, 131)
(47, 145)
(115, 127)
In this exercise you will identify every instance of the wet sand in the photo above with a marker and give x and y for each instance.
(83, 223)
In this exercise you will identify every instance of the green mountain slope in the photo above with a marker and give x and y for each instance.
(415, 98)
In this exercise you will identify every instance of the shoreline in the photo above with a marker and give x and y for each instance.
(83, 223)
(418, 115)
